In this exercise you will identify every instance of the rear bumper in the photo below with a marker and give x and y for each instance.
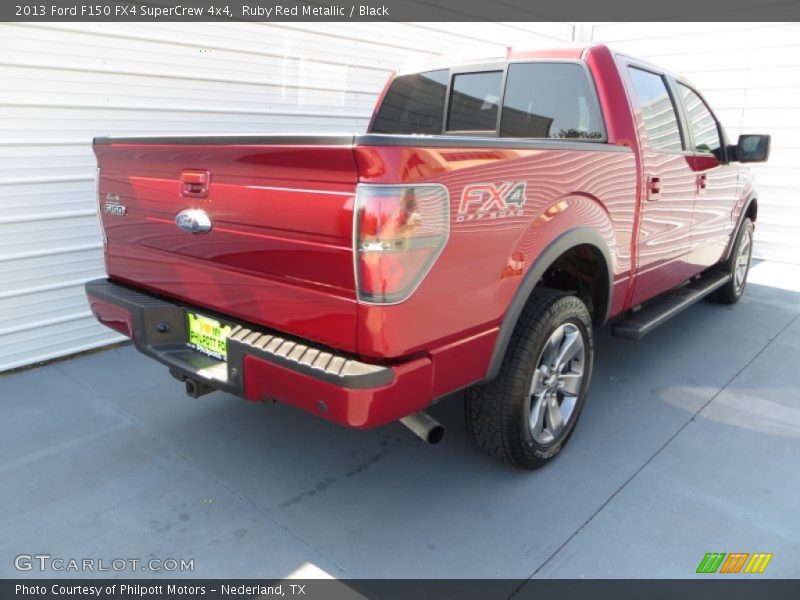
(266, 365)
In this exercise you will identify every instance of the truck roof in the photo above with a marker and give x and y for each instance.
(572, 52)
(565, 52)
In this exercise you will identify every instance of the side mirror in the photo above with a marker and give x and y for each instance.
(752, 148)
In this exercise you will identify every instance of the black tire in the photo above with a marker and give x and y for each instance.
(500, 413)
(733, 290)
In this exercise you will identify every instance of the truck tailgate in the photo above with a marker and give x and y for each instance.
(279, 251)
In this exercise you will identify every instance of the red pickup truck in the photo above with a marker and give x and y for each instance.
(494, 213)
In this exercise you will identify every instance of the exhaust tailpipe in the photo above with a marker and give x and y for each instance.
(425, 427)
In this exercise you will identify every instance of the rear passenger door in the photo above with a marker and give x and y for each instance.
(668, 186)
(717, 181)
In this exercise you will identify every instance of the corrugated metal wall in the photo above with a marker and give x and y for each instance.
(62, 84)
(750, 74)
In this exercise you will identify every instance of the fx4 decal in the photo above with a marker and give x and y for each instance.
(491, 201)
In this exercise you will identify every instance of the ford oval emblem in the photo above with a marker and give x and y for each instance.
(193, 220)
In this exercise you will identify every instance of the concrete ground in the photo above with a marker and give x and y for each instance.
(689, 443)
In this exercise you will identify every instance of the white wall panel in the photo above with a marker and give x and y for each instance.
(62, 84)
(750, 74)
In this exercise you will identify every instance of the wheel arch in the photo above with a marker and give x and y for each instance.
(750, 210)
(567, 241)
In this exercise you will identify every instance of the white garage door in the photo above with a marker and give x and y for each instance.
(62, 84)
(750, 74)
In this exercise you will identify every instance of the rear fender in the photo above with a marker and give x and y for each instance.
(569, 239)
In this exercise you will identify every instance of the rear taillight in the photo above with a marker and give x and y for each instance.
(399, 232)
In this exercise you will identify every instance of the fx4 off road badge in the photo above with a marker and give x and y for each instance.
(481, 201)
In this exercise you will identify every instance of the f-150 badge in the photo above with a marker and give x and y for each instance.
(112, 206)
(481, 201)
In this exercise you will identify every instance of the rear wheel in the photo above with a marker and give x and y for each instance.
(738, 265)
(526, 415)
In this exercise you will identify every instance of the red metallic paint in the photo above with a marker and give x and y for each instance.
(469, 287)
(280, 252)
(409, 392)
(555, 53)
(380, 99)
(312, 314)
(685, 228)
(460, 364)
(113, 316)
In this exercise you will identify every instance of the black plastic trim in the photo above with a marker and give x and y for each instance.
(635, 326)
(752, 198)
(168, 345)
(569, 239)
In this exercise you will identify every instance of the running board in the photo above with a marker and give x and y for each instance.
(635, 326)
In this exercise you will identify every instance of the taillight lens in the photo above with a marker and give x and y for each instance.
(399, 232)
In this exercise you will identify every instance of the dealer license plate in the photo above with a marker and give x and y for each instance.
(208, 335)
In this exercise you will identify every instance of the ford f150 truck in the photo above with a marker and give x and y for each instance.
(494, 213)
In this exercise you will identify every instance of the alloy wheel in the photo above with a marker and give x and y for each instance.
(557, 382)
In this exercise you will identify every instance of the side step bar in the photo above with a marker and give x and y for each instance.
(635, 326)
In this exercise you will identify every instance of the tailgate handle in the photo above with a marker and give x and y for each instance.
(194, 184)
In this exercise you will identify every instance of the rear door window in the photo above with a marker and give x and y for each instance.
(658, 110)
(550, 100)
(475, 102)
(413, 104)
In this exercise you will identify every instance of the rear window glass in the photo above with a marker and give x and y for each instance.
(413, 104)
(474, 101)
(550, 100)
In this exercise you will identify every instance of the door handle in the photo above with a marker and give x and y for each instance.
(653, 188)
(702, 181)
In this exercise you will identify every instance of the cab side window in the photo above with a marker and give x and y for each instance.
(550, 100)
(475, 101)
(413, 104)
(702, 123)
